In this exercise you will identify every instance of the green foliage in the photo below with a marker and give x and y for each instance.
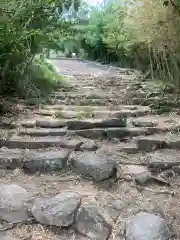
(140, 34)
(40, 78)
(27, 27)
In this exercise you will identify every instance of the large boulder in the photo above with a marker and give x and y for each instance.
(90, 223)
(92, 165)
(146, 226)
(13, 203)
(59, 210)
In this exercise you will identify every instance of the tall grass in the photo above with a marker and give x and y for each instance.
(157, 28)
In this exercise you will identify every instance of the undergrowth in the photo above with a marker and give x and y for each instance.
(40, 78)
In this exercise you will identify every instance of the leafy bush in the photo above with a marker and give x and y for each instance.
(39, 79)
(27, 27)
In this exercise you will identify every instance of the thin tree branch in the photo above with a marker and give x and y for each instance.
(175, 6)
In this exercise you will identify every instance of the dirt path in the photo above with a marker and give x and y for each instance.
(108, 167)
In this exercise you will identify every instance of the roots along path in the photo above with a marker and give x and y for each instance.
(91, 164)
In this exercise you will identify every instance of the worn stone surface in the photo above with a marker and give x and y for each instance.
(91, 165)
(23, 143)
(50, 123)
(145, 226)
(47, 161)
(89, 145)
(173, 141)
(6, 236)
(109, 206)
(13, 203)
(92, 133)
(133, 170)
(163, 159)
(7, 122)
(132, 113)
(149, 143)
(11, 160)
(144, 123)
(28, 123)
(90, 223)
(96, 123)
(59, 210)
(143, 178)
(125, 132)
(130, 148)
(42, 132)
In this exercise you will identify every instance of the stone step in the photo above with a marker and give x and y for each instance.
(166, 122)
(87, 108)
(96, 123)
(91, 95)
(158, 141)
(99, 114)
(125, 132)
(50, 122)
(164, 159)
(42, 132)
(32, 161)
(87, 130)
(42, 142)
(116, 132)
(82, 102)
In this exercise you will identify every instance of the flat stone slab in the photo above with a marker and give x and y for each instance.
(90, 223)
(158, 141)
(50, 123)
(133, 170)
(68, 114)
(92, 133)
(91, 165)
(130, 148)
(46, 161)
(96, 123)
(144, 123)
(59, 210)
(146, 226)
(88, 107)
(35, 143)
(161, 122)
(13, 203)
(28, 123)
(150, 143)
(132, 113)
(173, 141)
(163, 159)
(42, 132)
(125, 132)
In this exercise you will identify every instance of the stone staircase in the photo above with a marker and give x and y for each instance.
(90, 164)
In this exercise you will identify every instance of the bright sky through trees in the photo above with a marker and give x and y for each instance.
(94, 2)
